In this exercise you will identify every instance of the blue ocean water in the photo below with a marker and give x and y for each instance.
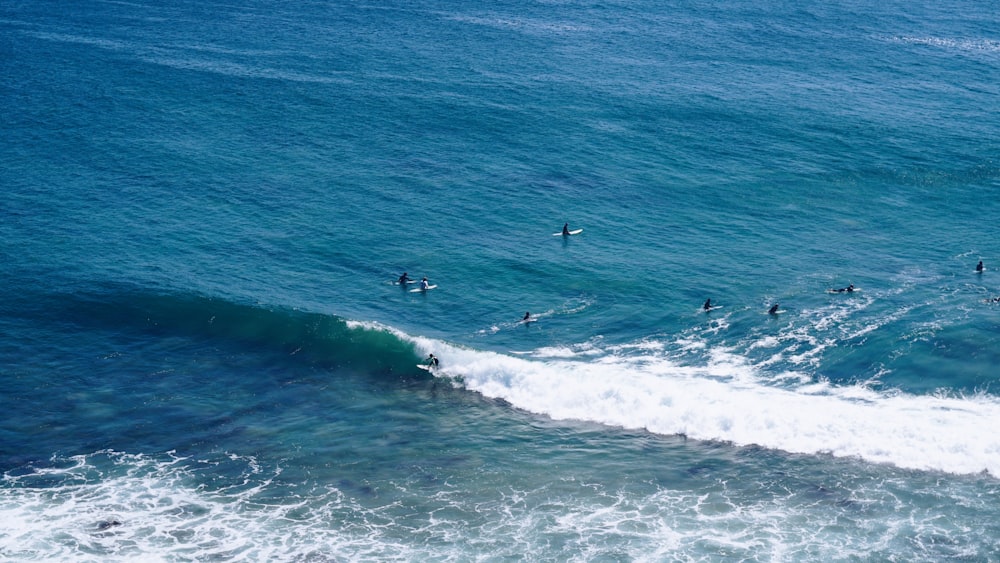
(205, 205)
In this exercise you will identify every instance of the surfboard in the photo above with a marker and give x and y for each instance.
(425, 367)
(419, 289)
(408, 282)
(856, 290)
(574, 232)
(712, 308)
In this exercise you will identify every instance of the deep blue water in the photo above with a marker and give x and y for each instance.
(204, 206)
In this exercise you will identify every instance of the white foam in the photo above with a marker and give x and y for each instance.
(111, 506)
(230, 508)
(584, 349)
(730, 400)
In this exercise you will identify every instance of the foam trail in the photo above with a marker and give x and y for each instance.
(950, 434)
(112, 506)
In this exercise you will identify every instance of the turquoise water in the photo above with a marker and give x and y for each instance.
(204, 207)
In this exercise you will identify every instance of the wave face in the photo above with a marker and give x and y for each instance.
(652, 385)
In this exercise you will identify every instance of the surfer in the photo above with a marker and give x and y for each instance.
(979, 266)
(527, 317)
(432, 362)
(104, 525)
(708, 305)
(404, 279)
(423, 283)
(773, 310)
(566, 229)
(848, 289)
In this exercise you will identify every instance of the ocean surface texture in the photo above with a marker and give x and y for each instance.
(204, 207)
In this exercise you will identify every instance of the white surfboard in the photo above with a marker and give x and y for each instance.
(425, 367)
(712, 308)
(856, 290)
(574, 232)
(419, 289)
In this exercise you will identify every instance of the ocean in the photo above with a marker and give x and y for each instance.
(204, 207)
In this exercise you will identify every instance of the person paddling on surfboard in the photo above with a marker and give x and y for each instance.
(979, 266)
(773, 310)
(424, 284)
(708, 305)
(404, 279)
(848, 289)
(527, 317)
(566, 229)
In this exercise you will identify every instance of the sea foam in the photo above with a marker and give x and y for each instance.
(729, 400)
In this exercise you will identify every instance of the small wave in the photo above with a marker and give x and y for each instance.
(108, 44)
(241, 70)
(990, 46)
(522, 24)
(182, 58)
